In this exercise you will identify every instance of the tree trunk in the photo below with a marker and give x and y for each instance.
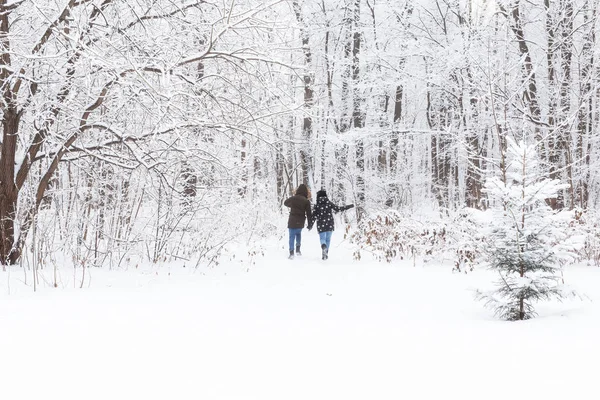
(307, 123)
(8, 190)
(530, 97)
(345, 119)
(280, 170)
(564, 143)
(471, 123)
(10, 123)
(243, 189)
(559, 26)
(358, 113)
(394, 143)
(586, 109)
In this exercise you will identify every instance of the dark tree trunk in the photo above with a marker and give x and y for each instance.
(530, 97)
(10, 123)
(341, 153)
(243, 188)
(441, 161)
(358, 114)
(280, 170)
(586, 110)
(190, 181)
(394, 143)
(8, 190)
(564, 142)
(474, 180)
(382, 153)
(559, 26)
(307, 122)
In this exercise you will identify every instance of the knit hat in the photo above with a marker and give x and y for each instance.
(321, 193)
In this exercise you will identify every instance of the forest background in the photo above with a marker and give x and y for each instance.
(161, 130)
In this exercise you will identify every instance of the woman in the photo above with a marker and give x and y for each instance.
(323, 214)
(300, 211)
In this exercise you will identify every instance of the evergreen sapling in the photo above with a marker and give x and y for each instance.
(528, 242)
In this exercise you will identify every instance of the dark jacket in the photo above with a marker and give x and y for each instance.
(323, 212)
(299, 208)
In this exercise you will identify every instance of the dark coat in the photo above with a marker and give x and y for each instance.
(323, 213)
(300, 209)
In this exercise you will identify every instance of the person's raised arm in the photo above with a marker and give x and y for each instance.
(335, 208)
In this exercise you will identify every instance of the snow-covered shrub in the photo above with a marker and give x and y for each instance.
(466, 241)
(527, 242)
(390, 235)
(393, 235)
(587, 224)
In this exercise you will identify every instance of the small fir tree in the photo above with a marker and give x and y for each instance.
(528, 241)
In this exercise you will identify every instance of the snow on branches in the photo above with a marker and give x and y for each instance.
(527, 242)
(391, 235)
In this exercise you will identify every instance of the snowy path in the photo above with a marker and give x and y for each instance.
(301, 329)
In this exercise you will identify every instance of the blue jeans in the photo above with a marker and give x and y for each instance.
(325, 238)
(295, 234)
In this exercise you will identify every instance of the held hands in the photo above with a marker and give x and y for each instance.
(349, 206)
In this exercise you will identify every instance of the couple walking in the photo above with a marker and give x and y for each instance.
(322, 214)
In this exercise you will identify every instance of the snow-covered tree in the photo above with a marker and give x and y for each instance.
(122, 82)
(528, 241)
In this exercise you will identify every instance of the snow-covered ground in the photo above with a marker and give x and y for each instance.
(301, 329)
